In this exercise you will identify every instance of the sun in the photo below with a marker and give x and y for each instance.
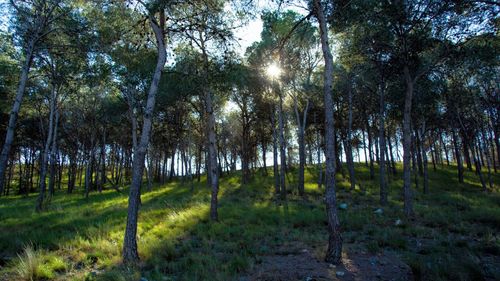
(273, 71)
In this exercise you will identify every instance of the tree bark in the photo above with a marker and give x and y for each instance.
(130, 254)
(407, 136)
(424, 159)
(334, 251)
(53, 156)
(382, 148)
(46, 152)
(9, 135)
(301, 125)
(460, 166)
(281, 133)
(348, 148)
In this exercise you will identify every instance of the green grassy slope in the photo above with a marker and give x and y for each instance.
(454, 235)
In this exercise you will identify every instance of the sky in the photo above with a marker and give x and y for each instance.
(3, 15)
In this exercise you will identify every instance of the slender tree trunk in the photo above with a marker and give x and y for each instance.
(212, 151)
(364, 148)
(53, 156)
(476, 156)
(334, 251)
(72, 172)
(424, 160)
(393, 163)
(465, 146)
(443, 144)
(9, 135)
(370, 150)
(488, 158)
(172, 167)
(460, 166)
(349, 159)
(408, 204)
(318, 155)
(46, 151)
(264, 150)
(130, 254)
(282, 148)
(433, 156)
(381, 137)
(88, 171)
(301, 125)
(418, 150)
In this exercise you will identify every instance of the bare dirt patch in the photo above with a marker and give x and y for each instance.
(307, 265)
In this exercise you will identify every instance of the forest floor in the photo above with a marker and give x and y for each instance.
(454, 235)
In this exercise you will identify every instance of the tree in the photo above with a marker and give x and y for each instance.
(130, 254)
(334, 251)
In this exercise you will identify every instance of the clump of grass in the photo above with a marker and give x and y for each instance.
(29, 263)
(34, 264)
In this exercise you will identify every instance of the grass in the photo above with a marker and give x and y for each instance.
(453, 236)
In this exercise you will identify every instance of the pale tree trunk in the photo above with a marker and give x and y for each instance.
(102, 156)
(281, 132)
(275, 153)
(211, 142)
(393, 164)
(212, 155)
(382, 148)
(301, 125)
(264, 161)
(130, 254)
(421, 140)
(370, 149)
(9, 135)
(46, 151)
(88, 169)
(349, 159)
(477, 162)
(334, 251)
(487, 156)
(53, 156)
(445, 149)
(407, 193)
(458, 157)
(172, 166)
(364, 148)
(318, 155)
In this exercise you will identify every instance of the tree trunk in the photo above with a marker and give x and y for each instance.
(9, 135)
(46, 151)
(172, 167)
(281, 133)
(348, 148)
(460, 166)
(393, 163)
(334, 251)
(424, 159)
(370, 150)
(130, 254)
(465, 146)
(408, 204)
(318, 155)
(364, 148)
(264, 164)
(381, 142)
(301, 125)
(53, 156)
